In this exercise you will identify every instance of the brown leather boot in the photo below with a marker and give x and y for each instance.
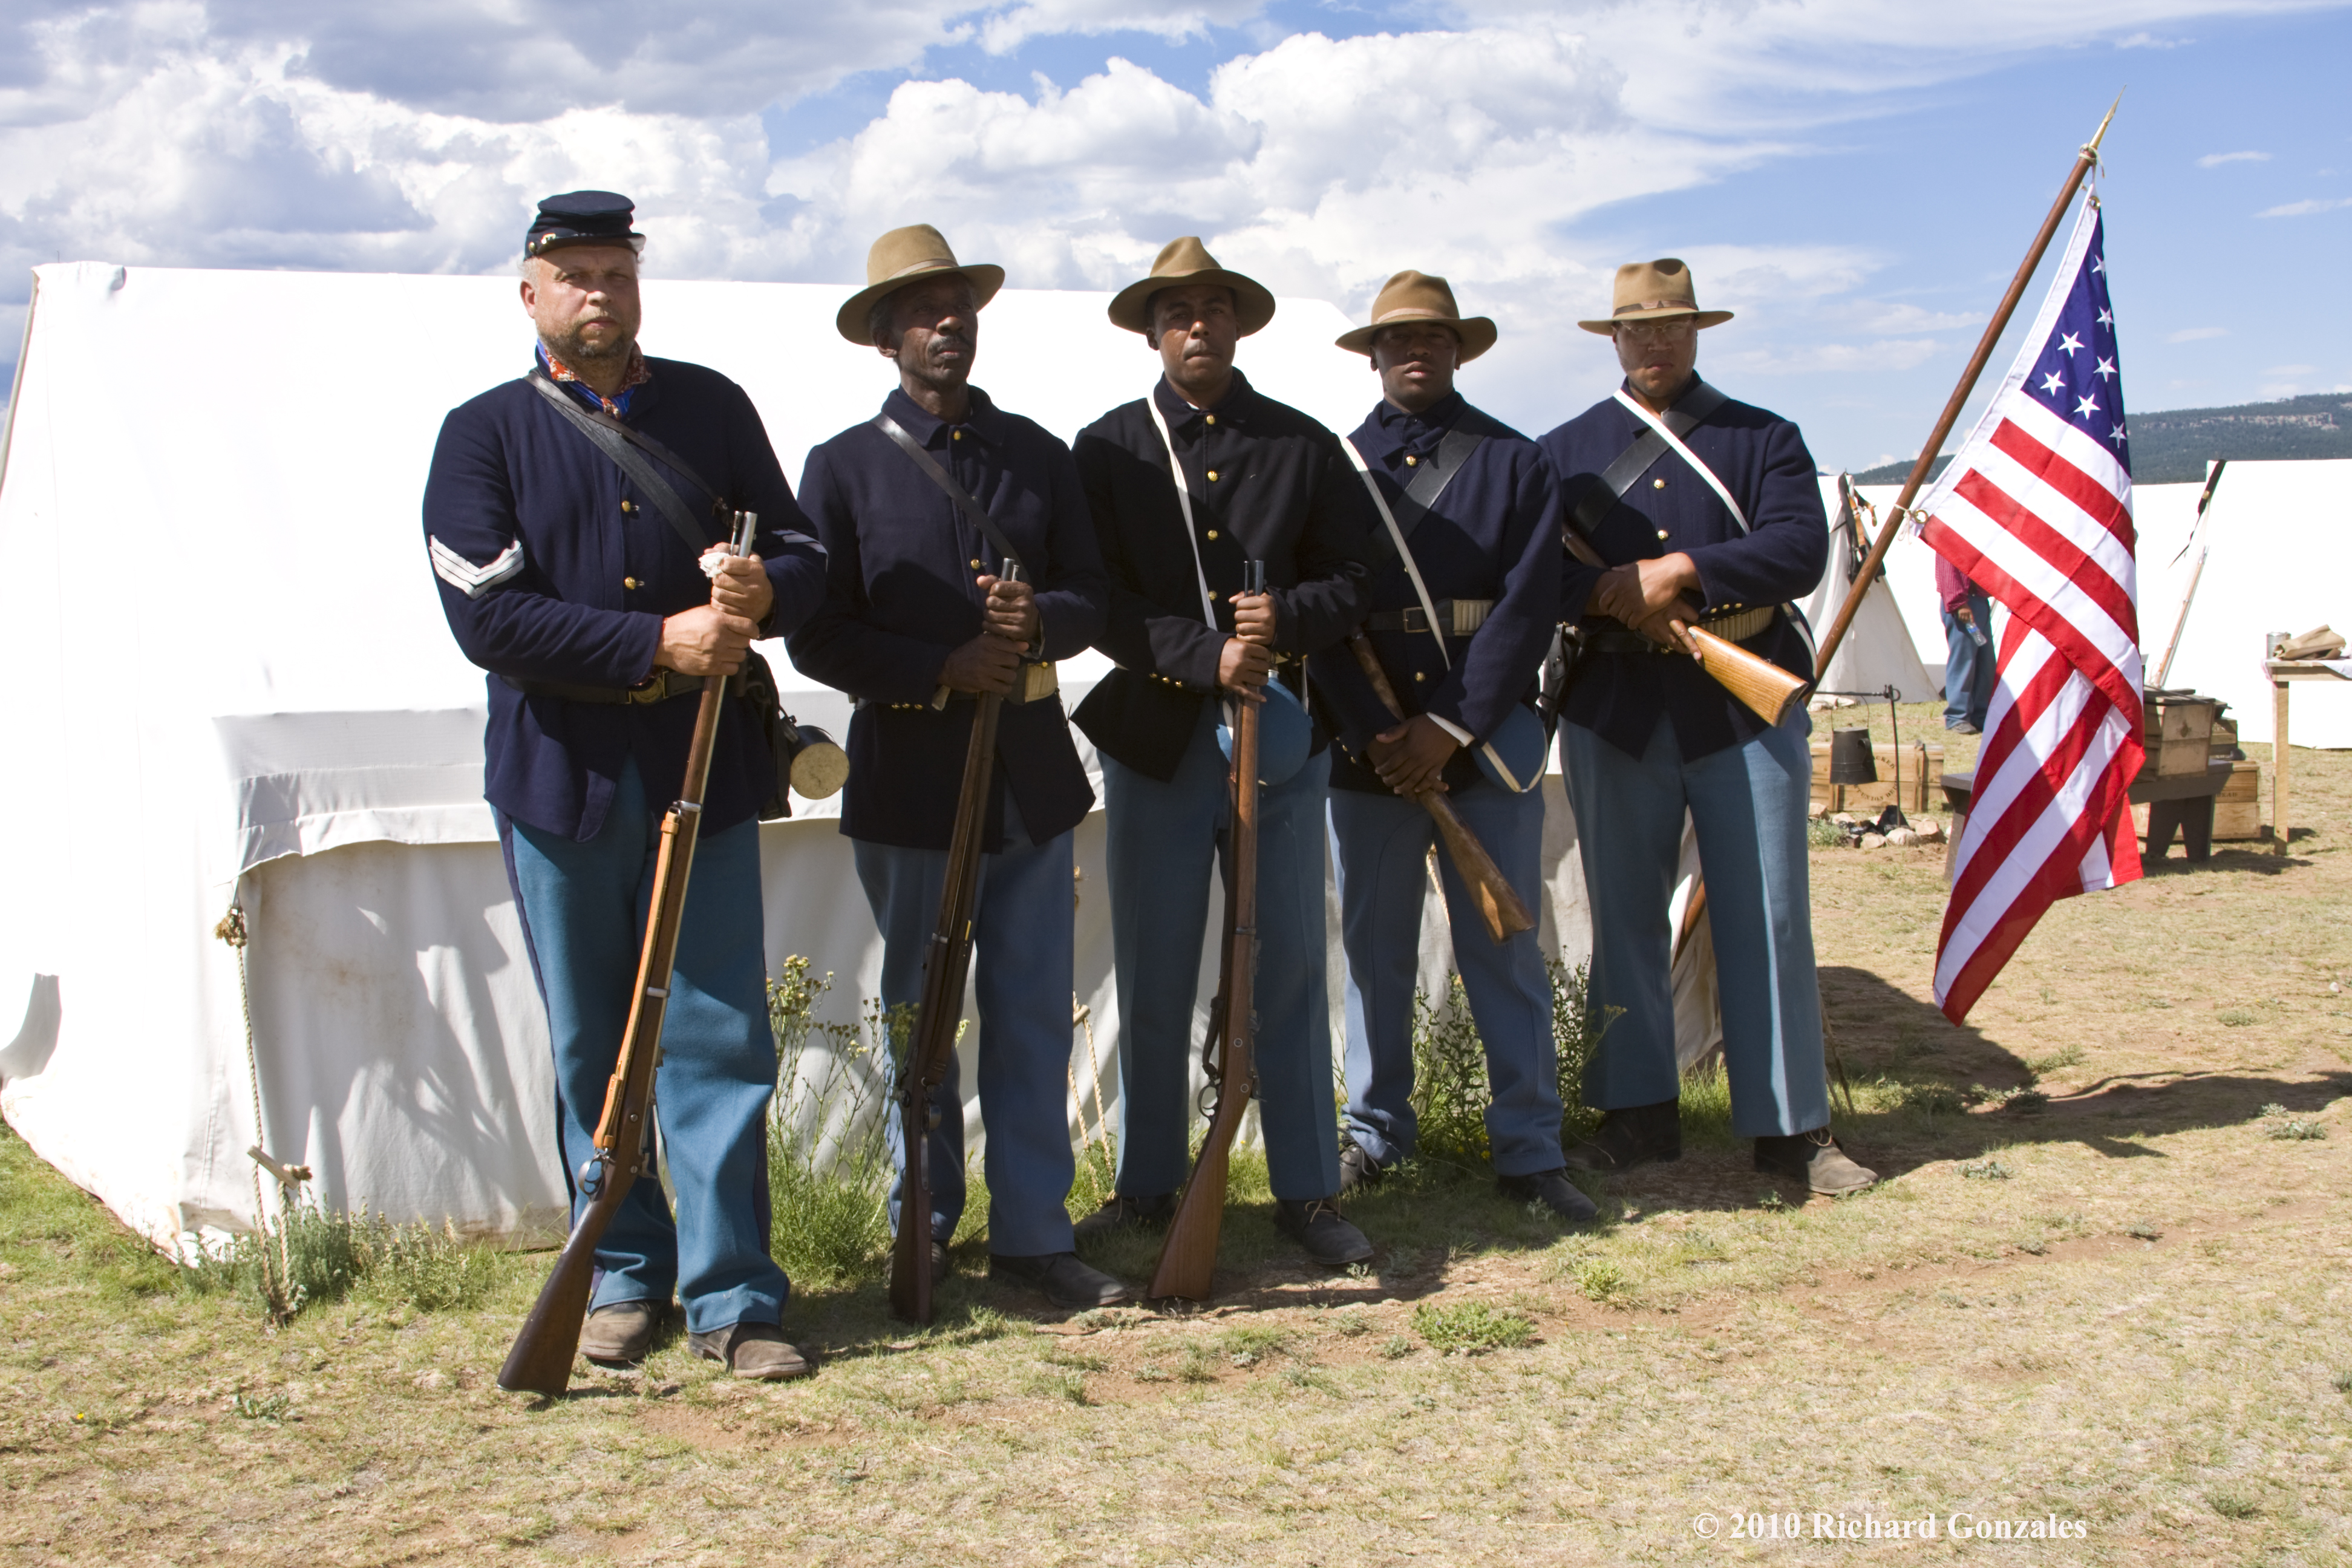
(621, 1333)
(1814, 1159)
(752, 1349)
(1637, 1135)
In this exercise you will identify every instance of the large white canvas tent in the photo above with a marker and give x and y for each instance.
(233, 685)
(1879, 649)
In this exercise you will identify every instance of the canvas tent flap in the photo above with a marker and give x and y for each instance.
(1880, 649)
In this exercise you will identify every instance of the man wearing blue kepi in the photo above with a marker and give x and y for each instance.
(1462, 616)
(1188, 485)
(569, 516)
(1685, 508)
(919, 509)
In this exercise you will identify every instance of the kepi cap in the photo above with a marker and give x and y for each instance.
(1412, 296)
(906, 255)
(582, 217)
(1653, 290)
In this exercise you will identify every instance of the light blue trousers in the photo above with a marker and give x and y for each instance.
(1164, 838)
(1380, 845)
(1021, 963)
(1747, 804)
(583, 913)
(1969, 669)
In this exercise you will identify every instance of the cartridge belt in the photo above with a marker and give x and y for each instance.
(1606, 635)
(659, 687)
(1460, 617)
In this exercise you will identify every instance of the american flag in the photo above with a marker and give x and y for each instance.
(2036, 510)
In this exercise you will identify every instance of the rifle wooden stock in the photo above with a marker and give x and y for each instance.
(1767, 690)
(1504, 912)
(941, 1010)
(541, 1359)
(1188, 1258)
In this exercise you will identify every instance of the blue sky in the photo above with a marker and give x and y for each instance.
(1855, 179)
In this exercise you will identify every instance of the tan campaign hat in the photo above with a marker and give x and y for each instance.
(1649, 291)
(1412, 296)
(1187, 260)
(906, 255)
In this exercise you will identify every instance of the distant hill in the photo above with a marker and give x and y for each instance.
(2171, 446)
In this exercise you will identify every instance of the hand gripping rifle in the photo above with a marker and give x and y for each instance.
(1768, 690)
(1188, 1258)
(942, 1009)
(541, 1360)
(1505, 914)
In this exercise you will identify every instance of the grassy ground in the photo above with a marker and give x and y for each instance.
(2116, 1298)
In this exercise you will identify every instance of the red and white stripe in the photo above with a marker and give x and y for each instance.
(2038, 514)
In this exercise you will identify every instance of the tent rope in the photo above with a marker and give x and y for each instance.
(276, 1285)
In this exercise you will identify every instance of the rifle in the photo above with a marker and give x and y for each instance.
(541, 1359)
(1768, 690)
(941, 1010)
(1188, 1258)
(1499, 906)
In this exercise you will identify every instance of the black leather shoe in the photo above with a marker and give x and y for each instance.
(1815, 1159)
(1554, 1191)
(1358, 1170)
(1638, 1135)
(940, 1267)
(757, 1350)
(1315, 1225)
(1066, 1281)
(1151, 1213)
(621, 1333)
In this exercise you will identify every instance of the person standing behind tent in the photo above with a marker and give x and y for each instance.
(575, 584)
(919, 509)
(1259, 481)
(1707, 510)
(1968, 651)
(1471, 512)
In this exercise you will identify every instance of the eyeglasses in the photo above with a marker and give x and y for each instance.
(1670, 326)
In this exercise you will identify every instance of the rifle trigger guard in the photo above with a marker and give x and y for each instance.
(592, 1175)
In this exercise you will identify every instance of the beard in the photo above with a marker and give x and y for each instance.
(575, 351)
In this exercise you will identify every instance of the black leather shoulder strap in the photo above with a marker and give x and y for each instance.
(618, 442)
(1687, 414)
(954, 491)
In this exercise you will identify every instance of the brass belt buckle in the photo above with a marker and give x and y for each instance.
(652, 688)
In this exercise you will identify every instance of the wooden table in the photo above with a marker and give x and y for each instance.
(2177, 802)
(2282, 671)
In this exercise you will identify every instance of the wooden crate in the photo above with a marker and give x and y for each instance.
(1922, 764)
(2179, 734)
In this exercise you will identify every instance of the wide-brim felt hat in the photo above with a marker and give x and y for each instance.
(1412, 296)
(1653, 290)
(1187, 260)
(915, 254)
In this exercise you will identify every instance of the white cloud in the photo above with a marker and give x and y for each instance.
(2215, 159)
(2305, 208)
(2196, 334)
(2150, 41)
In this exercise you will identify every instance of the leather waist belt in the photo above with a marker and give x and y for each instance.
(1608, 637)
(663, 685)
(1461, 617)
(1037, 682)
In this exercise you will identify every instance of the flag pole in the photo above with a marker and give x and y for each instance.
(2084, 162)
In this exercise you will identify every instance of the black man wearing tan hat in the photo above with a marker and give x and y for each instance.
(919, 509)
(1685, 508)
(1187, 484)
(1462, 613)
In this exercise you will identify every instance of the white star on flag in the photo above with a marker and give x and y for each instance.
(2117, 436)
(2087, 407)
(2070, 342)
(2053, 381)
(2106, 370)
(2106, 317)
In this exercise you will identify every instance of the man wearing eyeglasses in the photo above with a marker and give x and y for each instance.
(1688, 508)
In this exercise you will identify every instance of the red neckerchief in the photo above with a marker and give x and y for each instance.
(638, 376)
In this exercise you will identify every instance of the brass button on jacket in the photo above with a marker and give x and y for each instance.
(628, 506)
(630, 582)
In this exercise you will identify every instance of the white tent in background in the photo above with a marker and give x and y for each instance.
(272, 713)
(1879, 650)
(2279, 559)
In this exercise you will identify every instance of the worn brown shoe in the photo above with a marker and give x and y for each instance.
(1149, 1213)
(1815, 1159)
(1066, 1281)
(752, 1349)
(1358, 1170)
(1637, 1135)
(1554, 1191)
(621, 1333)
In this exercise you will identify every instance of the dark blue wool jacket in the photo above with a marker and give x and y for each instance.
(902, 597)
(1494, 535)
(1268, 483)
(1761, 460)
(554, 568)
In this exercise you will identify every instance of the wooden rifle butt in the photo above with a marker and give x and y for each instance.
(540, 1361)
(910, 1252)
(1767, 690)
(1187, 1268)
